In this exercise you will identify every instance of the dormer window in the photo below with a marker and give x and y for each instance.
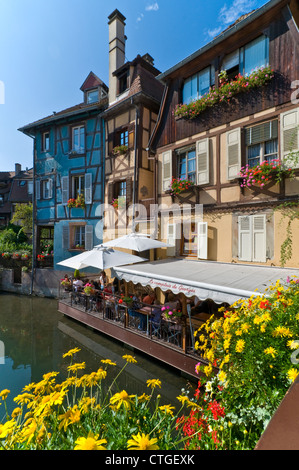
(123, 83)
(248, 58)
(92, 96)
(198, 85)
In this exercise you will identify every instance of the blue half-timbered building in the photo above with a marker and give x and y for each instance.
(69, 174)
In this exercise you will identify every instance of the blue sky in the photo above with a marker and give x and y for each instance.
(48, 47)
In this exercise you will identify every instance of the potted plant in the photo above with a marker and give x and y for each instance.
(88, 289)
(170, 314)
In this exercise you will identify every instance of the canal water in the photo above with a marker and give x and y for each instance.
(34, 336)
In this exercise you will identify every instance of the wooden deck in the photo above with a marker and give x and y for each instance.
(169, 346)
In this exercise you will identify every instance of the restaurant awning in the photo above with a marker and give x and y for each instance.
(222, 282)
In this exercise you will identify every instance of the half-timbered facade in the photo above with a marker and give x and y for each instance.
(226, 110)
(69, 173)
(134, 99)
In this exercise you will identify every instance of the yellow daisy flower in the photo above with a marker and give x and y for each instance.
(142, 442)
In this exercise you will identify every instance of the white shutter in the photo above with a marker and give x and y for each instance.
(289, 133)
(202, 161)
(50, 188)
(64, 189)
(37, 189)
(245, 238)
(88, 188)
(259, 238)
(233, 153)
(172, 238)
(166, 169)
(88, 237)
(65, 237)
(202, 240)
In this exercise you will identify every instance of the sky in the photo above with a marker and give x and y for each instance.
(48, 48)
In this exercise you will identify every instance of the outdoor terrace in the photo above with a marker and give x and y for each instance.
(168, 341)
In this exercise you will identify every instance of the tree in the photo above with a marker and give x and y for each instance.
(23, 217)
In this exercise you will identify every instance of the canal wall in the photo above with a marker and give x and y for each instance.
(45, 283)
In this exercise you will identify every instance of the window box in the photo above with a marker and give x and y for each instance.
(262, 174)
(224, 94)
(179, 185)
(78, 203)
(120, 150)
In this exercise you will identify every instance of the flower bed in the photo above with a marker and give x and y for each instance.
(254, 347)
(225, 93)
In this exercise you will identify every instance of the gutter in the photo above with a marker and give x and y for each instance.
(226, 34)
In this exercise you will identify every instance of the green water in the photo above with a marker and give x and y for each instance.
(35, 336)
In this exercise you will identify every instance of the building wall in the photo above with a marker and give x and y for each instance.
(61, 166)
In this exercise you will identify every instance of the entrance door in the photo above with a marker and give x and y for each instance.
(189, 240)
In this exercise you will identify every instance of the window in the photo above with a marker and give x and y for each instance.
(252, 238)
(248, 58)
(92, 96)
(187, 165)
(79, 237)
(78, 185)
(262, 143)
(78, 144)
(124, 138)
(198, 85)
(46, 142)
(122, 189)
(47, 189)
(122, 83)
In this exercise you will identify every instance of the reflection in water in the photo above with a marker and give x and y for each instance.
(35, 337)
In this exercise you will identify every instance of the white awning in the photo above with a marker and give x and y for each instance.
(222, 282)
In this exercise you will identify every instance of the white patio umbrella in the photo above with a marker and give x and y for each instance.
(102, 258)
(136, 242)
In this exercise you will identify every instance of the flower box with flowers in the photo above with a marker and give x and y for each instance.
(79, 202)
(119, 203)
(169, 314)
(120, 150)
(6, 255)
(225, 93)
(178, 185)
(264, 173)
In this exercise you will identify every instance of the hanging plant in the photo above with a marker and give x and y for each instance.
(120, 149)
(225, 93)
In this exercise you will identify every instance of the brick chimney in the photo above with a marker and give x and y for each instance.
(117, 45)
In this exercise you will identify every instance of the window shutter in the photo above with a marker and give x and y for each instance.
(110, 192)
(172, 238)
(65, 237)
(233, 153)
(289, 123)
(259, 238)
(37, 189)
(202, 161)
(245, 238)
(129, 190)
(50, 188)
(88, 237)
(202, 240)
(64, 189)
(88, 188)
(166, 169)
